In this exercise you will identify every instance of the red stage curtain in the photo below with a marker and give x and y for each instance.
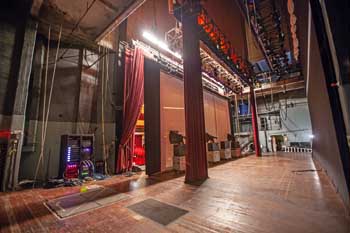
(133, 99)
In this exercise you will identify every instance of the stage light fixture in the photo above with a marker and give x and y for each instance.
(153, 39)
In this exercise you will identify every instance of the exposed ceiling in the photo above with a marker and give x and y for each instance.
(88, 20)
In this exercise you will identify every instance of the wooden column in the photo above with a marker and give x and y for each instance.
(196, 159)
(255, 122)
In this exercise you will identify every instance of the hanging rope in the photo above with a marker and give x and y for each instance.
(45, 86)
(45, 120)
(104, 77)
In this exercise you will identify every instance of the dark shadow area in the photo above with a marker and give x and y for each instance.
(159, 212)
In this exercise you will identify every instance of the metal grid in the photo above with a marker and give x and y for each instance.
(210, 65)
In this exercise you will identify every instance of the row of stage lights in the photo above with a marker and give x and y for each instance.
(219, 39)
(162, 45)
(266, 20)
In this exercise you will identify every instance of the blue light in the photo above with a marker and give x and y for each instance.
(87, 149)
(68, 154)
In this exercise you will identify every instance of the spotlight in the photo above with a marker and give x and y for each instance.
(154, 40)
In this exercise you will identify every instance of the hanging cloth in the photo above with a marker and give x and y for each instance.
(133, 100)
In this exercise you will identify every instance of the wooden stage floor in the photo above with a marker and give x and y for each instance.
(275, 193)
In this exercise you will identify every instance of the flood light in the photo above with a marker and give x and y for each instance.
(154, 40)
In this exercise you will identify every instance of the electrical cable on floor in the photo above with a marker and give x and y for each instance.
(307, 170)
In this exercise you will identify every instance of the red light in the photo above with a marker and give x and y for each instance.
(200, 20)
(219, 39)
(5, 134)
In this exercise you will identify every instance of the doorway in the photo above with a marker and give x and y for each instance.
(139, 157)
(277, 142)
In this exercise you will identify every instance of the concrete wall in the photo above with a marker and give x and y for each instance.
(76, 108)
(292, 121)
(7, 43)
(17, 41)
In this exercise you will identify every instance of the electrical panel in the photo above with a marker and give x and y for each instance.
(9, 141)
(4, 138)
(74, 150)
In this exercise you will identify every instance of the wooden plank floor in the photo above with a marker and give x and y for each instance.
(268, 194)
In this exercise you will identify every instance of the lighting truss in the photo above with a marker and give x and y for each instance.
(215, 39)
(210, 65)
(265, 22)
(231, 81)
(173, 37)
(176, 68)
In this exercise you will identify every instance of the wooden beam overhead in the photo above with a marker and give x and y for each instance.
(109, 5)
(120, 18)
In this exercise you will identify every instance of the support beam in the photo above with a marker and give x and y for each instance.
(120, 18)
(196, 159)
(255, 122)
(236, 115)
(20, 80)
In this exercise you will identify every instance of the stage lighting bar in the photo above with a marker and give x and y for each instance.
(162, 45)
(178, 67)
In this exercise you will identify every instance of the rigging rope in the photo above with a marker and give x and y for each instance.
(45, 120)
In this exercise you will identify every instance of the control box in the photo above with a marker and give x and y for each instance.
(74, 150)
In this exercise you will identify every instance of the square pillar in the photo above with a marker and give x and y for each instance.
(255, 122)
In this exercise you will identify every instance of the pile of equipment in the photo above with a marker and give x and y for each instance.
(76, 157)
(177, 140)
(235, 146)
(213, 149)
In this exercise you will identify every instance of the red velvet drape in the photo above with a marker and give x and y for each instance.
(133, 99)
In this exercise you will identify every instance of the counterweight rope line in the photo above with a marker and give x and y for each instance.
(103, 83)
(44, 125)
(44, 100)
